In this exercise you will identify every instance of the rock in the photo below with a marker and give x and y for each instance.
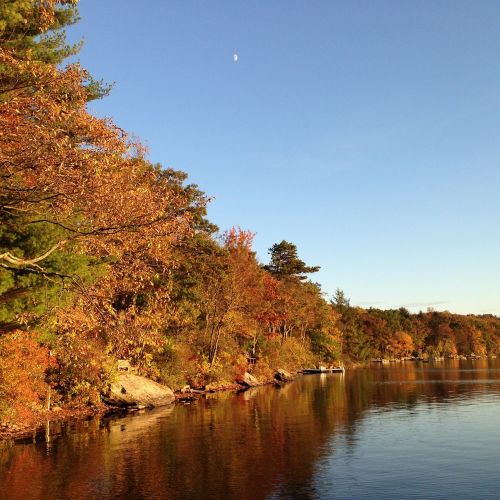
(134, 390)
(185, 389)
(282, 375)
(219, 386)
(248, 380)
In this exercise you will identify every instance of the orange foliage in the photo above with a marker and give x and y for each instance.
(238, 239)
(23, 363)
(65, 167)
(400, 344)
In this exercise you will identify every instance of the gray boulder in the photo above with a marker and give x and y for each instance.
(248, 380)
(134, 390)
(283, 376)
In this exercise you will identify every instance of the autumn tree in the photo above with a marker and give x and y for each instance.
(400, 345)
(234, 296)
(32, 42)
(80, 179)
(84, 217)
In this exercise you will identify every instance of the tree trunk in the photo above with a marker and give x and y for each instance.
(213, 354)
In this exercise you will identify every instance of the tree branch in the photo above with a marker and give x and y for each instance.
(16, 261)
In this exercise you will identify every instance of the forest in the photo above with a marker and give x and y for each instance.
(105, 256)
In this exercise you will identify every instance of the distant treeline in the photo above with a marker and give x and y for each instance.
(105, 256)
(396, 333)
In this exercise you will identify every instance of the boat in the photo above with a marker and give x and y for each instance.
(323, 369)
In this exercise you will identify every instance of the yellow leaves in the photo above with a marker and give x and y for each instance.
(54, 146)
(86, 178)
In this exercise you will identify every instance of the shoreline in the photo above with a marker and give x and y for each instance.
(9, 432)
(12, 432)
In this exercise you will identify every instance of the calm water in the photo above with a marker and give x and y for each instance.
(405, 431)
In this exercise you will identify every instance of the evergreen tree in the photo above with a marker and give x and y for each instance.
(33, 30)
(340, 301)
(32, 33)
(285, 262)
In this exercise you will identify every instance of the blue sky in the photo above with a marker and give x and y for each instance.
(367, 133)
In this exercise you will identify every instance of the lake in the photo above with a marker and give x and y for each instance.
(405, 430)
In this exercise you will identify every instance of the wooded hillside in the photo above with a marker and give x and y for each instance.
(106, 256)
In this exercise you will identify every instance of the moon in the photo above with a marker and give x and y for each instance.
(235, 57)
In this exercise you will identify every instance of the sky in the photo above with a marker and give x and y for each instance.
(366, 133)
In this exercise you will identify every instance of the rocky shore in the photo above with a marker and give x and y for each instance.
(131, 392)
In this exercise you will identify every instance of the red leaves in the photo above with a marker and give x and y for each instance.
(238, 239)
(23, 363)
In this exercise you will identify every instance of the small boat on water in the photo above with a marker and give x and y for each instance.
(324, 369)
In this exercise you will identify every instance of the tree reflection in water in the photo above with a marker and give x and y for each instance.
(257, 444)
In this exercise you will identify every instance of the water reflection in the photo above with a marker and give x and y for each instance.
(307, 439)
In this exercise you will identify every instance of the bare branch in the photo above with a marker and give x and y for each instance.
(16, 261)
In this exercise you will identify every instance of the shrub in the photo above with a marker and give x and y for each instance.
(85, 368)
(23, 387)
